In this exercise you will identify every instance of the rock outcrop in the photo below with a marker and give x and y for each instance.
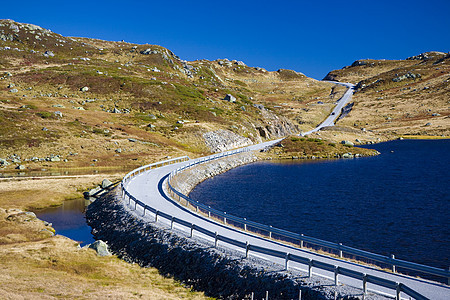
(223, 140)
(274, 126)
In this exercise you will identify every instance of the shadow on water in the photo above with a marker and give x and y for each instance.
(69, 220)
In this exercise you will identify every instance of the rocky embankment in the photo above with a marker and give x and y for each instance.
(187, 180)
(223, 140)
(218, 272)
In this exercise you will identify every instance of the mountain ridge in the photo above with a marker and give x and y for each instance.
(97, 103)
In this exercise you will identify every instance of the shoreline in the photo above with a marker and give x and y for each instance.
(219, 272)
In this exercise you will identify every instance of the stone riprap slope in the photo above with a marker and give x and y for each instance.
(218, 272)
(185, 181)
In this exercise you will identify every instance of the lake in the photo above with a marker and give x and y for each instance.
(69, 220)
(394, 203)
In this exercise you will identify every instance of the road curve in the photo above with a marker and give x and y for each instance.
(149, 188)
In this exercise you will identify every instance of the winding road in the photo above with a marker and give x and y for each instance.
(149, 188)
(337, 109)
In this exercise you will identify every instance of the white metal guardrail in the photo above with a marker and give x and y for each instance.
(247, 225)
(300, 239)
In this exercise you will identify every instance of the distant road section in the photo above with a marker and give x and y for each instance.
(337, 110)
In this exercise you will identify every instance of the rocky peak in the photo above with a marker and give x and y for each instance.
(428, 55)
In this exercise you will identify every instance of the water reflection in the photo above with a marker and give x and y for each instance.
(69, 220)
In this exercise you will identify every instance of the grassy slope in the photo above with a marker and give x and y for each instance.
(412, 106)
(38, 266)
(120, 77)
(303, 148)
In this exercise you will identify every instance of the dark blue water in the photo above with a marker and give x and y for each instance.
(69, 220)
(395, 203)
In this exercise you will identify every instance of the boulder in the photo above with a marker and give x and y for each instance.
(92, 192)
(230, 98)
(118, 150)
(100, 247)
(55, 158)
(347, 143)
(20, 167)
(3, 162)
(49, 54)
(84, 89)
(408, 75)
(106, 183)
(58, 114)
(13, 90)
(347, 155)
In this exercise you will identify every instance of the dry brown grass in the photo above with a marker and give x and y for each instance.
(409, 107)
(57, 268)
(36, 193)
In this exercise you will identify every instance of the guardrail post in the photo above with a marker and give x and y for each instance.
(336, 274)
(245, 224)
(393, 265)
(192, 230)
(340, 250)
(209, 211)
(286, 261)
(270, 232)
(225, 218)
(310, 268)
(247, 249)
(144, 211)
(364, 284)
(135, 204)
(171, 223)
(196, 208)
(156, 216)
(301, 241)
(129, 200)
(215, 240)
(267, 295)
(397, 291)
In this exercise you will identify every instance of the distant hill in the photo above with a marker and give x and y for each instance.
(79, 102)
(95, 102)
(403, 97)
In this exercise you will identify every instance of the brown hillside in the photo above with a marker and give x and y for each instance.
(403, 97)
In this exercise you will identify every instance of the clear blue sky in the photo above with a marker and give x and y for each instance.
(312, 37)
